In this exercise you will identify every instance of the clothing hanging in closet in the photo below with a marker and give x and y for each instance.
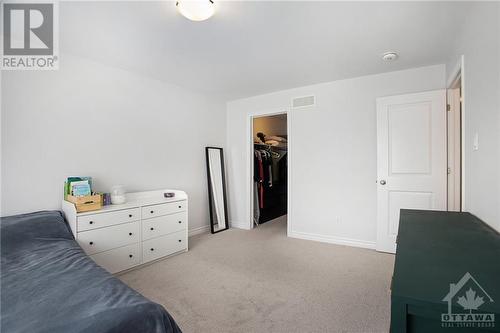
(270, 165)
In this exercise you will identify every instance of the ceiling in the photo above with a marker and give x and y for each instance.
(250, 48)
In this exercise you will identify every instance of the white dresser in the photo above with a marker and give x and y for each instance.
(147, 227)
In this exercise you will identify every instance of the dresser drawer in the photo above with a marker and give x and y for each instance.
(119, 259)
(163, 225)
(163, 209)
(94, 221)
(164, 245)
(103, 239)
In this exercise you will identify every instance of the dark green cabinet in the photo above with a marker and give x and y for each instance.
(446, 274)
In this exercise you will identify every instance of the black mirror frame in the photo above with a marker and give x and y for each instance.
(210, 196)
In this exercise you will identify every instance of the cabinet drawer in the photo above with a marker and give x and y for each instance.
(119, 259)
(163, 209)
(163, 225)
(100, 240)
(94, 221)
(164, 245)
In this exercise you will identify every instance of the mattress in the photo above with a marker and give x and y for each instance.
(48, 284)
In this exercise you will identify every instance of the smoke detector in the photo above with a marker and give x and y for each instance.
(389, 56)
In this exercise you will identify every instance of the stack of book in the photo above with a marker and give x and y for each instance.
(78, 186)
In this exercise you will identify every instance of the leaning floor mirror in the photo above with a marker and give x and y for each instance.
(216, 190)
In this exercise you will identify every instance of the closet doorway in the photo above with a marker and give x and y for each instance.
(270, 169)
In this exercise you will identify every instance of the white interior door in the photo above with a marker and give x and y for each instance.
(411, 159)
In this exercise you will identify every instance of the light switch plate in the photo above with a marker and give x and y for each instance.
(475, 146)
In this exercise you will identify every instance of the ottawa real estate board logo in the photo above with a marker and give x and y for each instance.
(468, 294)
(30, 35)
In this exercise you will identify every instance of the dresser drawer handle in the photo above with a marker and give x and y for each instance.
(180, 206)
(180, 240)
(130, 234)
(152, 228)
(129, 215)
(180, 222)
(91, 222)
(91, 243)
(152, 211)
(130, 256)
(152, 249)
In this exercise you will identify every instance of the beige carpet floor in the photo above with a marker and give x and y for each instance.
(262, 281)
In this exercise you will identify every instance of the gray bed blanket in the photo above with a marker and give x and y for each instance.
(48, 284)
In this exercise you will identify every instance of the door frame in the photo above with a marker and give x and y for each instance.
(250, 160)
(458, 73)
(454, 149)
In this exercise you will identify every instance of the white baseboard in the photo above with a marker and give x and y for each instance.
(199, 230)
(333, 240)
(239, 225)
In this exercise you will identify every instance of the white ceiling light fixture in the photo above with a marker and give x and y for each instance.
(390, 56)
(196, 10)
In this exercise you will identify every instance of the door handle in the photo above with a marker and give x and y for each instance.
(382, 182)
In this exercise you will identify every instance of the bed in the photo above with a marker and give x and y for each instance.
(48, 284)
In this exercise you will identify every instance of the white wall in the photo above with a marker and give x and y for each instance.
(332, 153)
(116, 126)
(479, 42)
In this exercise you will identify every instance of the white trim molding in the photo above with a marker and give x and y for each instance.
(199, 230)
(239, 225)
(458, 71)
(249, 161)
(333, 240)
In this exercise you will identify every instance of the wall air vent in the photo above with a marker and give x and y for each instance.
(300, 102)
